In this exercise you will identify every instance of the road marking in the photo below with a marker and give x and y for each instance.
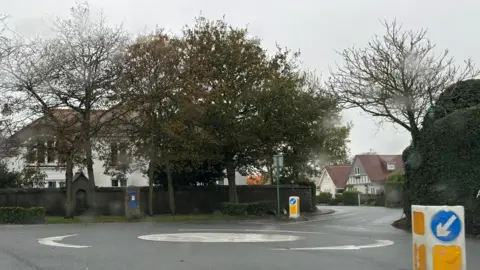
(380, 243)
(346, 228)
(247, 230)
(199, 237)
(50, 241)
(321, 218)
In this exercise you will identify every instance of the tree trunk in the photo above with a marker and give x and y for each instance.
(270, 172)
(87, 146)
(150, 187)
(69, 201)
(153, 163)
(171, 192)
(232, 187)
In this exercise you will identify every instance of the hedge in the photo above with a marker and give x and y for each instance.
(442, 168)
(20, 215)
(350, 197)
(339, 197)
(333, 202)
(324, 197)
(459, 96)
(254, 208)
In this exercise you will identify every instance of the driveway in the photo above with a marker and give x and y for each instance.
(351, 238)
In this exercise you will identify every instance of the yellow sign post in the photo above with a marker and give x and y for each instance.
(294, 206)
(438, 234)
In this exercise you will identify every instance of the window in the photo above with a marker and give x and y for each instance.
(51, 151)
(40, 152)
(61, 149)
(113, 154)
(114, 183)
(123, 182)
(62, 184)
(31, 151)
(52, 184)
(122, 152)
(356, 170)
(390, 166)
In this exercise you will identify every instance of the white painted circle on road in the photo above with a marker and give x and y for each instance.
(203, 237)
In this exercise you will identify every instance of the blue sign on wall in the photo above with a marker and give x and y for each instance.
(446, 226)
(132, 199)
(293, 201)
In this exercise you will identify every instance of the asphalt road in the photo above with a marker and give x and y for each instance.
(351, 234)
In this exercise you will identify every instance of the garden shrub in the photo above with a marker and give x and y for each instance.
(458, 96)
(324, 197)
(333, 202)
(234, 209)
(339, 197)
(442, 168)
(20, 215)
(350, 197)
(253, 208)
(380, 200)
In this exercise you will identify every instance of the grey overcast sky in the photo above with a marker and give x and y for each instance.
(316, 27)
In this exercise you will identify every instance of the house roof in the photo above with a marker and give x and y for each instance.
(375, 166)
(69, 119)
(339, 174)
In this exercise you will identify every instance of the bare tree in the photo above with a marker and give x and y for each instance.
(88, 55)
(397, 76)
(27, 74)
(76, 71)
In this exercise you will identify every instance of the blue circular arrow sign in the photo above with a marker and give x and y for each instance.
(293, 201)
(446, 226)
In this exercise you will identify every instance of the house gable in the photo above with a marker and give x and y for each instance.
(375, 168)
(358, 174)
(326, 183)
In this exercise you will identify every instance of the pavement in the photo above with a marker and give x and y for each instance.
(358, 238)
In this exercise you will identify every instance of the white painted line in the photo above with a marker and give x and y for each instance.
(380, 243)
(320, 218)
(346, 228)
(199, 237)
(50, 241)
(247, 230)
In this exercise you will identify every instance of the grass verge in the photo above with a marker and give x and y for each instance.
(402, 224)
(159, 218)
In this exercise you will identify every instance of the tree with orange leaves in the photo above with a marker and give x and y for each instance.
(255, 180)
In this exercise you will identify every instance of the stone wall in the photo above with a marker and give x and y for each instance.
(110, 201)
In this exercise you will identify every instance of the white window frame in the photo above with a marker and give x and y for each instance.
(45, 139)
(390, 166)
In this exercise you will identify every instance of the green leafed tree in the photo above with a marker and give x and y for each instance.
(157, 125)
(227, 69)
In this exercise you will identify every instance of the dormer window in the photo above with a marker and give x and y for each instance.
(390, 166)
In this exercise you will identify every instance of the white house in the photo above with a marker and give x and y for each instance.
(239, 179)
(40, 151)
(332, 179)
(369, 173)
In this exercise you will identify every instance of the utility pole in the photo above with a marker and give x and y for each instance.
(278, 166)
